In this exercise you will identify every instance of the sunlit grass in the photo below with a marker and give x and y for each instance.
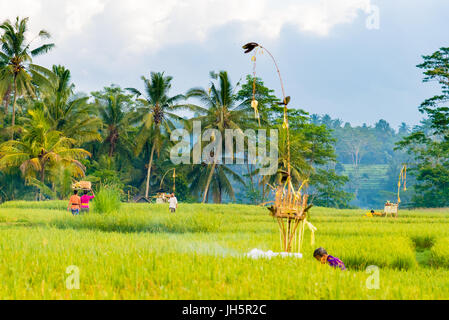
(144, 252)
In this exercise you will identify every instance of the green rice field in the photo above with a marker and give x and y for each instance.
(143, 252)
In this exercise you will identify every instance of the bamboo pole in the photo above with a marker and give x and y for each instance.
(281, 233)
(302, 234)
(297, 223)
(297, 241)
(286, 201)
(285, 110)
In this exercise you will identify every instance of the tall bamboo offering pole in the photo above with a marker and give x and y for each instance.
(402, 181)
(290, 206)
(174, 179)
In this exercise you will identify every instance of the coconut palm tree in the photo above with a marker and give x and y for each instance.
(5, 97)
(39, 149)
(114, 108)
(219, 183)
(16, 54)
(68, 113)
(156, 115)
(220, 111)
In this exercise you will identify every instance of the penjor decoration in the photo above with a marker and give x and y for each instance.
(290, 206)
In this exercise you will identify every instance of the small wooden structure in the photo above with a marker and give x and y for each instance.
(162, 198)
(391, 209)
(290, 210)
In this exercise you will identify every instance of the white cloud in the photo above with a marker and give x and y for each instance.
(61, 18)
(155, 23)
(9, 9)
(148, 25)
(80, 12)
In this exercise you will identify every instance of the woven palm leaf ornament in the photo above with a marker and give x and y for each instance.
(290, 206)
(173, 176)
(254, 102)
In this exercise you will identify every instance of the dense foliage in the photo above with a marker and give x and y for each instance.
(367, 157)
(52, 135)
(429, 143)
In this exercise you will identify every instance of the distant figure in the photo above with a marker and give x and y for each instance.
(173, 203)
(74, 203)
(85, 198)
(321, 255)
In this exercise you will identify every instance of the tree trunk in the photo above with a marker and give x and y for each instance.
(249, 173)
(209, 179)
(113, 142)
(147, 189)
(42, 180)
(253, 189)
(6, 99)
(263, 192)
(13, 122)
(111, 150)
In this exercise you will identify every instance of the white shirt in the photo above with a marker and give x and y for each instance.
(173, 202)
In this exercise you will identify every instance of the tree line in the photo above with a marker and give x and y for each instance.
(424, 148)
(52, 135)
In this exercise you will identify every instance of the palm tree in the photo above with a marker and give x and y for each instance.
(156, 115)
(221, 112)
(114, 107)
(40, 149)
(15, 54)
(68, 113)
(219, 183)
(4, 97)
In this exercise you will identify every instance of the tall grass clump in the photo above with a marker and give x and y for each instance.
(107, 200)
(423, 241)
(385, 252)
(439, 254)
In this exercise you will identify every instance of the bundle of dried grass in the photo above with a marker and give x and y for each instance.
(290, 210)
(82, 185)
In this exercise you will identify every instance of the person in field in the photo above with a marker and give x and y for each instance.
(173, 203)
(372, 213)
(74, 203)
(85, 198)
(321, 255)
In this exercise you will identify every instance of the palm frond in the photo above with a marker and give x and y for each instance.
(134, 91)
(42, 49)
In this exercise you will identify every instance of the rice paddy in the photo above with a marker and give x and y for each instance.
(143, 252)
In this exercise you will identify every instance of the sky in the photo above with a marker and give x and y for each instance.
(352, 59)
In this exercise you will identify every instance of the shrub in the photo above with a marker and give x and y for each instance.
(107, 200)
(439, 254)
